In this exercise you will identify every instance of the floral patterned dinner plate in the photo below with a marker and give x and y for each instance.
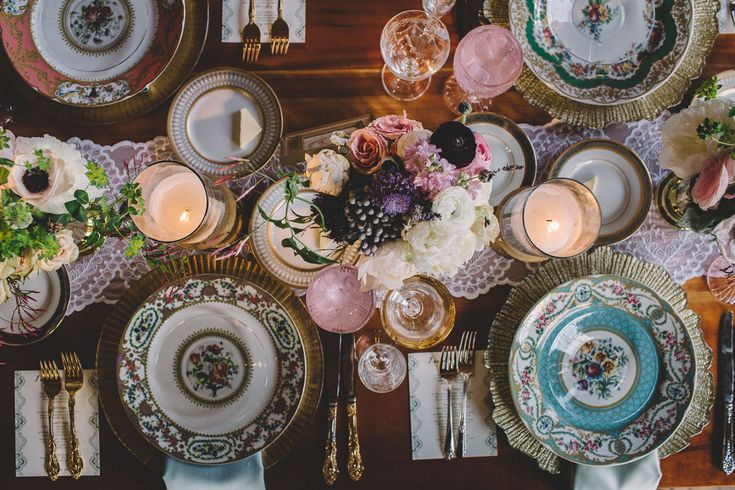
(91, 52)
(602, 370)
(211, 369)
(602, 52)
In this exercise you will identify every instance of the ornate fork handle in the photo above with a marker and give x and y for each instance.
(354, 459)
(462, 443)
(52, 462)
(449, 437)
(330, 470)
(73, 459)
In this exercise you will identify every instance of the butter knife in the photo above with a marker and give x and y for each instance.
(355, 467)
(330, 470)
(726, 376)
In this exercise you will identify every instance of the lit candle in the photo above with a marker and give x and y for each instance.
(177, 205)
(552, 220)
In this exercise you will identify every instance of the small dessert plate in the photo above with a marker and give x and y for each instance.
(509, 146)
(222, 114)
(618, 178)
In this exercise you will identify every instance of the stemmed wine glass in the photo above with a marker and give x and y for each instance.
(438, 7)
(414, 45)
(381, 366)
(488, 61)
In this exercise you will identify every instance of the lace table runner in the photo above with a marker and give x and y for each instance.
(105, 275)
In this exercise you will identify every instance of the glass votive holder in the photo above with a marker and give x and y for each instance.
(381, 366)
(420, 314)
(557, 219)
(184, 209)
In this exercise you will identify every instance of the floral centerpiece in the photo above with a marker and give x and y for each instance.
(47, 190)
(410, 200)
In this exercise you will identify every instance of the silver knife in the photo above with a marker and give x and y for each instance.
(330, 470)
(726, 374)
(355, 466)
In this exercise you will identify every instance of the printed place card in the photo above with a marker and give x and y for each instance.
(235, 16)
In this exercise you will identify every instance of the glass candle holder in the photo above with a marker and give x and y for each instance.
(381, 366)
(556, 219)
(420, 314)
(335, 301)
(185, 209)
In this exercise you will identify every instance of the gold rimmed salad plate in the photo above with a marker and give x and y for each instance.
(619, 180)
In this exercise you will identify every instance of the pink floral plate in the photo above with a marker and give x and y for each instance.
(211, 369)
(90, 52)
(602, 370)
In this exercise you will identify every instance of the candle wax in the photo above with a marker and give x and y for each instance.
(178, 203)
(553, 220)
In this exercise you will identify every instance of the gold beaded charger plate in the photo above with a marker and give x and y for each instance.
(200, 374)
(96, 62)
(552, 274)
(589, 106)
(225, 113)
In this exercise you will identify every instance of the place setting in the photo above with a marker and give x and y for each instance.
(271, 302)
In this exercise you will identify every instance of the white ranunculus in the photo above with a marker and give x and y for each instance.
(68, 253)
(388, 267)
(725, 235)
(482, 194)
(410, 139)
(4, 290)
(66, 173)
(456, 211)
(683, 150)
(439, 254)
(486, 227)
(8, 267)
(327, 171)
(26, 264)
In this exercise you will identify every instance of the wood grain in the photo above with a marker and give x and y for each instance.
(334, 76)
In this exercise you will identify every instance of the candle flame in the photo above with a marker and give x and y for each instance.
(185, 216)
(552, 226)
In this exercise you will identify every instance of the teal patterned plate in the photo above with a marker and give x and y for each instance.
(602, 370)
(211, 369)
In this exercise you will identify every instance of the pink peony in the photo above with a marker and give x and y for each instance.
(483, 158)
(393, 127)
(716, 175)
(367, 150)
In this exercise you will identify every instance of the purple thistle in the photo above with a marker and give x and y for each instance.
(396, 204)
(393, 190)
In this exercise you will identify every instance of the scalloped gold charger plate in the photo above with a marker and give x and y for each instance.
(668, 93)
(554, 273)
(180, 270)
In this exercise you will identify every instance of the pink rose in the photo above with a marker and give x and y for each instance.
(393, 127)
(483, 158)
(367, 150)
(716, 175)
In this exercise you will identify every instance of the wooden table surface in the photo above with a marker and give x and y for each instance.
(334, 76)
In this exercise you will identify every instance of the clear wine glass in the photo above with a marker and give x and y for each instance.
(335, 301)
(721, 280)
(414, 45)
(488, 61)
(438, 8)
(381, 366)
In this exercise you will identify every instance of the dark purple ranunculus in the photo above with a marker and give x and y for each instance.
(456, 142)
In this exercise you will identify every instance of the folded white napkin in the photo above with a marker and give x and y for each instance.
(643, 474)
(246, 474)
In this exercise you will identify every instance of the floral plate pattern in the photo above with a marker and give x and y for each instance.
(611, 72)
(213, 371)
(667, 406)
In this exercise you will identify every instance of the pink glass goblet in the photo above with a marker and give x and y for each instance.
(488, 61)
(335, 301)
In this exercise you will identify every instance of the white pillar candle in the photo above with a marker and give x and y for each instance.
(178, 204)
(553, 220)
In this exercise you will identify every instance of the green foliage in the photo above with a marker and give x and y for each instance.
(17, 215)
(4, 139)
(701, 221)
(42, 161)
(135, 245)
(708, 89)
(96, 175)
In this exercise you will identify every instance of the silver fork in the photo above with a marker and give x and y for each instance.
(448, 372)
(466, 368)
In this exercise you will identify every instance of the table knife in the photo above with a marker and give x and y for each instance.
(354, 458)
(330, 470)
(726, 376)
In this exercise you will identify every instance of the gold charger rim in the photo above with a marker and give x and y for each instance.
(669, 93)
(246, 269)
(550, 275)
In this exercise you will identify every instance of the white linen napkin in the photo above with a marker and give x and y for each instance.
(246, 474)
(643, 474)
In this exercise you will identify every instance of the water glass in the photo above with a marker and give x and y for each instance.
(488, 61)
(381, 366)
(414, 45)
(335, 301)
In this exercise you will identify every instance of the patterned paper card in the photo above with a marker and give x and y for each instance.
(235, 16)
(724, 18)
(427, 402)
(31, 425)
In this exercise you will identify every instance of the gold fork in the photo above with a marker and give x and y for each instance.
(251, 38)
(73, 381)
(279, 33)
(51, 382)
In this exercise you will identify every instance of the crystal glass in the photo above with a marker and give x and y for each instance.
(335, 301)
(414, 45)
(381, 367)
(420, 314)
(438, 7)
(488, 61)
(556, 219)
(721, 280)
(185, 209)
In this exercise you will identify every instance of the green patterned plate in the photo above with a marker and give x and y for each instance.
(211, 369)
